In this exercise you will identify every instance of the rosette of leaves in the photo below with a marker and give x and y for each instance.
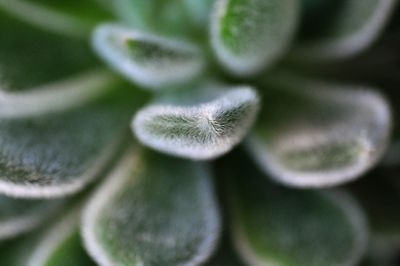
(113, 115)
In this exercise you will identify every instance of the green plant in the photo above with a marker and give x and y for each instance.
(199, 77)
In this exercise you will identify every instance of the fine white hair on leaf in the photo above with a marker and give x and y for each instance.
(355, 29)
(202, 130)
(59, 153)
(116, 227)
(248, 36)
(146, 59)
(18, 216)
(57, 96)
(327, 134)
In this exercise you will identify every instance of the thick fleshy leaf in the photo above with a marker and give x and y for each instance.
(152, 210)
(147, 59)
(274, 225)
(379, 198)
(250, 35)
(354, 26)
(62, 17)
(202, 125)
(19, 216)
(172, 17)
(59, 153)
(30, 57)
(319, 134)
(59, 245)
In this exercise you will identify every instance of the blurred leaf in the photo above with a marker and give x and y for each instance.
(19, 216)
(30, 57)
(249, 35)
(56, 96)
(273, 225)
(59, 153)
(153, 210)
(171, 17)
(319, 134)
(203, 125)
(61, 16)
(353, 28)
(146, 59)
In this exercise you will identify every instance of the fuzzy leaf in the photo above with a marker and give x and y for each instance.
(30, 57)
(204, 129)
(172, 17)
(152, 210)
(319, 134)
(59, 153)
(274, 225)
(19, 216)
(62, 17)
(250, 35)
(353, 28)
(146, 59)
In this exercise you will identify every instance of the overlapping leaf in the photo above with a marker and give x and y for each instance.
(172, 17)
(58, 153)
(249, 35)
(319, 134)
(58, 16)
(153, 210)
(202, 125)
(147, 59)
(273, 225)
(353, 26)
(19, 216)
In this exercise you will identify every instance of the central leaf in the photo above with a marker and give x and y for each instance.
(153, 210)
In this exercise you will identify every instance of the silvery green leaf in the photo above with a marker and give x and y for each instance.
(274, 225)
(354, 27)
(204, 125)
(62, 17)
(172, 17)
(152, 210)
(59, 244)
(30, 58)
(147, 59)
(58, 153)
(18, 216)
(319, 134)
(250, 35)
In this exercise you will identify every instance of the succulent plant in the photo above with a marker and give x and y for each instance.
(199, 132)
